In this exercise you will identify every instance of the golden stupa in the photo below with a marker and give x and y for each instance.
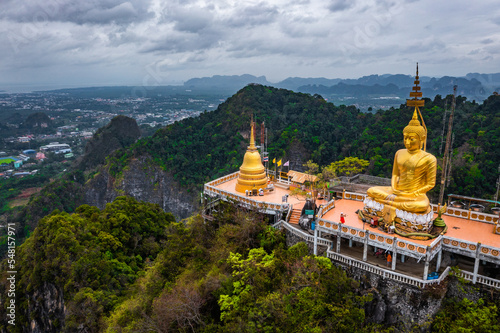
(252, 172)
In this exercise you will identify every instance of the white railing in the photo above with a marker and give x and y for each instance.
(468, 214)
(224, 179)
(244, 200)
(450, 211)
(326, 208)
(385, 273)
(390, 242)
(277, 225)
(354, 196)
(289, 213)
(470, 249)
(479, 279)
(305, 236)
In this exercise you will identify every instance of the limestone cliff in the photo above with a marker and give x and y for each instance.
(143, 180)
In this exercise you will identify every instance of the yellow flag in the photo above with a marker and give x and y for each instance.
(274, 160)
(279, 162)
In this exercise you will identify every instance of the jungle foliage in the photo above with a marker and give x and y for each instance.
(89, 258)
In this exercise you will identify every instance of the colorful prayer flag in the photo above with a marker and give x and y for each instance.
(279, 162)
(266, 159)
(287, 163)
(274, 160)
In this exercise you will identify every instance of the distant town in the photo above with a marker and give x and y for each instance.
(65, 121)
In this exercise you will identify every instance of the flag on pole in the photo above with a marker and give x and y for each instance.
(287, 163)
(274, 160)
(266, 159)
(279, 162)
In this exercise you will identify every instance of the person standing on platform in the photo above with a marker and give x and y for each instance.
(342, 218)
(389, 259)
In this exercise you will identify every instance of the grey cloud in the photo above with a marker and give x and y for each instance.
(181, 42)
(487, 41)
(258, 14)
(187, 18)
(340, 5)
(80, 12)
(191, 21)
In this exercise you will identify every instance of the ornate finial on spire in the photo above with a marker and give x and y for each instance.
(416, 93)
(252, 137)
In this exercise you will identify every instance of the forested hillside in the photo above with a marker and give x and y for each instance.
(300, 127)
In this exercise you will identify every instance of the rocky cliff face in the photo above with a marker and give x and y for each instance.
(47, 313)
(145, 181)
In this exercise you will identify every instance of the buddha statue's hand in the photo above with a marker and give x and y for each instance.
(401, 196)
(390, 197)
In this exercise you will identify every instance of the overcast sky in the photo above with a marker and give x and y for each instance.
(58, 43)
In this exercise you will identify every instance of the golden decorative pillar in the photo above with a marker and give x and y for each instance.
(252, 172)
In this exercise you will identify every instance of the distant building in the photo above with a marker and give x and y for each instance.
(23, 139)
(21, 174)
(63, 151)
(18, 164)
(29, 152)
(55, 147)
(40, 156)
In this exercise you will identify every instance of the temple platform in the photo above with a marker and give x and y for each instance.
(470, 240)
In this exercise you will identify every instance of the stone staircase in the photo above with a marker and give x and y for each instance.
(295, 216)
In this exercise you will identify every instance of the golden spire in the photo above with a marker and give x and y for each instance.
(417, 102)
(416, 93)
(252, 136)
(252, 172)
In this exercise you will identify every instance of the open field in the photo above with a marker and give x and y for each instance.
(6, 160)
(23, 198)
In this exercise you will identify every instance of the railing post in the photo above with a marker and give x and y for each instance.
(365, 248)
(476, 263)
(338, 236)
(426, 266)
(315, 240)
(438, 261)
(394, 254)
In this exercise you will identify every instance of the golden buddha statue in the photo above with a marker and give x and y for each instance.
(413, 175)
(252, 172)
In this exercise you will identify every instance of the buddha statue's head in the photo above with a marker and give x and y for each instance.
(414, 134)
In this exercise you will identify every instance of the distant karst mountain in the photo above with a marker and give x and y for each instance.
(474, 86)
(226, 81)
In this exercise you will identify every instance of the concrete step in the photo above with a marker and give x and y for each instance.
(295, 216)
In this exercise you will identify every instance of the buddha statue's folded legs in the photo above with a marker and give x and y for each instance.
(393, 198)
